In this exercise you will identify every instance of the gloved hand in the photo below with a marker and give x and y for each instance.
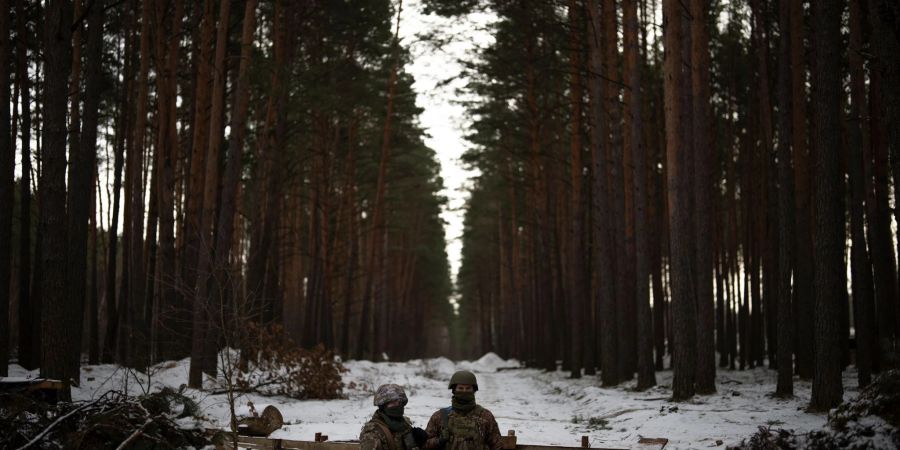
(420, 436)
(409, 441)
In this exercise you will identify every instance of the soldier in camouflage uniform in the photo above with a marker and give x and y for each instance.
(389, 429)
(464, 425)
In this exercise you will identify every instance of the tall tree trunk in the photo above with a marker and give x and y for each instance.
(830, 273)
(205, 339)
(138, 336)
(804, 292)
(885, 19)
(353, 238)
(131, 53)
(624, 341)
(168, 322)
(364, 343)
(196, 208)
(93, 322)
(635, 145)
(225, 226)
(7, 186)
(113, 312)
(785, 351)
(55, 323)
(681, 233)
(29, 347)
(880, 219)
(82, 161)
(860, 264)
(268, 170)
(576, 259)
(704, 187)
(765, 241)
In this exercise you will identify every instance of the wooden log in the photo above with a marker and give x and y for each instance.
(45, 389)
(250, 442)
(509, 441)
(654, 443)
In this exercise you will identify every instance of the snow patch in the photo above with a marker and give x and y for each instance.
(490, 362)
(546, 408)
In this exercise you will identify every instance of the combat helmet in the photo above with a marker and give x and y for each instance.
(463, 377)
(387, 393)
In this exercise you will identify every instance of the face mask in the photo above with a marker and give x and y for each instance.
(396, 412)
(463, 401)
(464, 398)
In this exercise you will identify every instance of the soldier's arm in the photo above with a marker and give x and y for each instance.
(492, 440)
(433, 430)
(369, 438)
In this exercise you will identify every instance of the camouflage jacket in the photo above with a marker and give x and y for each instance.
(475, 430)
(375, 435)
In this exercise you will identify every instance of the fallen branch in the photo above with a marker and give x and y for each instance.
(136, 433)
(140, 430)
(618, 413)
(55, 423)
(245, 390)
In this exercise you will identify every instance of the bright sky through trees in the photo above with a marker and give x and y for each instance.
(439, 85)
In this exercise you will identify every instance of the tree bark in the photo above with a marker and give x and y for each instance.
(704, 187)
(112, 311)
(635, 145)
(55, 324)
(168, 323)
(785, 350)
(804, 291)
(365, 342)
(205, 340)
(225, 226)
(576, 259)
(885, 19)
(614, 165)
(830, 273)
(137, 344)
(861, 265)
(7, 186)
(82, 159)
(29, 334)
(681, 233)
(93, 322)
(194, 244)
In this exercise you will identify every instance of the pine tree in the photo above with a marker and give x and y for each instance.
(829, 267)
(683, 313)
(55, 323)
(7, 163)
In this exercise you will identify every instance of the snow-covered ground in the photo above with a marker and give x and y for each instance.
(543, 408)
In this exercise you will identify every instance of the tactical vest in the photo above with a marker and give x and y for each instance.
(398, 441)
(463, 429)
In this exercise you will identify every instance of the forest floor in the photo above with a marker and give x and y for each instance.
(542, 407)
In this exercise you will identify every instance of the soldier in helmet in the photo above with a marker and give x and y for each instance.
(388, 429)
(464, 425)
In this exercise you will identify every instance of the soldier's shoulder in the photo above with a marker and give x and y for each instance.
(486, 413)
(437, 414)
(369, 427)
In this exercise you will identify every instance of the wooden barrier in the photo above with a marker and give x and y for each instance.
(39, 388)
(322, 443)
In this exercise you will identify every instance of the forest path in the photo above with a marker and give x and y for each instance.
(542, 407)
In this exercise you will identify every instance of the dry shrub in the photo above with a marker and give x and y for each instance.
(272, 364)
(151, 421)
